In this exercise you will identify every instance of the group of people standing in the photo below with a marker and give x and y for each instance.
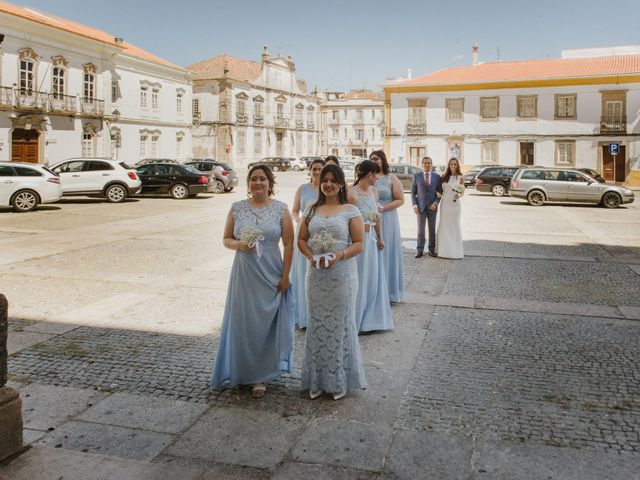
(338, 273)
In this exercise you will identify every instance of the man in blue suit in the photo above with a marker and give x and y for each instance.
(425, 187)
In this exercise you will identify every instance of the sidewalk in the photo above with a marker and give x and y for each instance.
(513, 366)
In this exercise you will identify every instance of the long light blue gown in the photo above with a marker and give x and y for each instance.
(391, 256)
(308, 195)
(373, 311)
(256, 340)
(332, 358)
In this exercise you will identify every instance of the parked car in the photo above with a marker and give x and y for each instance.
(146, 161)
(179, 181)
(542, 184)
(308, 160)
(23, 186)
(405, 173)
(496, 180)
(224, 178)
(274, 163)
(297, 164)
(593, 174)
(470, 176)
(97, 177)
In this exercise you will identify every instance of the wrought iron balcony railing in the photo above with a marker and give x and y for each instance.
(613, 124)
(242, 118)
(62, 103)
(91, 106)
(280, 122)
(416, 128)
(30, 100)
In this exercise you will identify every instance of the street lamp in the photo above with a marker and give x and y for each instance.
(116, 115)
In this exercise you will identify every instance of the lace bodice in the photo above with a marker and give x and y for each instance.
(267, 219)
(337, 225)
(383, 184)
(367, 204)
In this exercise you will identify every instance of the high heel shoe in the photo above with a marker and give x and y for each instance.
(313, 395)
(338, 396)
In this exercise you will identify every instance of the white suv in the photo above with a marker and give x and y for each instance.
(111, 179)
(24, 185)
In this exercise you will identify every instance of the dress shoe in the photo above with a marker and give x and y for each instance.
(314, 394)
(338, 396)
(418, 255)
(433, 254)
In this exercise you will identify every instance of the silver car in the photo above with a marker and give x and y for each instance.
(547, 184)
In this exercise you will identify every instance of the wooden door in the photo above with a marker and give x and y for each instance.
(24, 145)
(613, 169)
(526, 153)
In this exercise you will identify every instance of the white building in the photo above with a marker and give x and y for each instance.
(245, 110)
(69, 90)
(563, 111)
(353, 122)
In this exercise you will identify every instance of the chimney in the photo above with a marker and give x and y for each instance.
(118, 40)
(226, 68)
(265, 53)
(409, 74)
(475, 49)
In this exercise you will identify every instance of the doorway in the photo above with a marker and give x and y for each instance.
(526, 153)
(614, 167)
(24, 145)
(416, 154)
(279, 136)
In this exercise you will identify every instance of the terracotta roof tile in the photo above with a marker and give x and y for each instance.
(239, 69)
(79, 29)
(523, 70)
(363, 94)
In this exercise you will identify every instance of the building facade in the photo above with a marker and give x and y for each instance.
(353, 122)
(553, 112)
(245, 110)
(68, 90)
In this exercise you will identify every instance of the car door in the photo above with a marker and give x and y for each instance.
(555, 185)
(97, 174)
(147, 177)
(581, 189)
(8, 184)
(71, 177)
(163, 178)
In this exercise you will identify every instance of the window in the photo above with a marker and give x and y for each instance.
(144, 95)
(57, 82)
(565, 106)
(566, 153)
(155, 94)
(27, 71)
(143, 145)
(335, 133)
(345, 133)
(345, 114)
(241, 141)
(116, 142)
(373, 114)
(373, 133)
(360, 135)
(489, 108)
(299, 143)
(74, 166)
(334, 114)
(257, 108)
(179, 103)
(179, 147)
(88, 144)
(241, 106)
(490, 152)
(95, 166)
(360, 115)
(257, 142)
(527, 106)
(417, 122)
(154, 146)
(455, 109)
(195, 108)
(114, 91)
(613, 109)
(89, 86)
(27, 172)
(309, 143)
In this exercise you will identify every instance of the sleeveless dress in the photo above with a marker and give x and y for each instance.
(373, 311)
(256, 340)
(332, 359)
(299, 268)
(449, 236)
(391, 256)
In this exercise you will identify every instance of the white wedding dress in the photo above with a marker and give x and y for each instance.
(449, 234)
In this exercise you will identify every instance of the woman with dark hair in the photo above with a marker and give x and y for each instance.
(391, 198)
(449, 235)
(332, 159)
(306, 194)
(373, 311)
(330, 236)
(256, 339)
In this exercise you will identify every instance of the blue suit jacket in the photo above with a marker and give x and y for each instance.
(420, 195)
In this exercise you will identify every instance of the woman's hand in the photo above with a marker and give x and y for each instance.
(438, 194)
(380, 244)
(283, 284)
(244, 246)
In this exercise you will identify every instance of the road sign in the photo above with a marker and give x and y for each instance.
(614, 148)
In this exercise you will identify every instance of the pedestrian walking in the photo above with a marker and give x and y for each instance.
(256, 340)
(330, 237)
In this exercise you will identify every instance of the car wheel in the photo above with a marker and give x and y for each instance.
(276, 168)
(498, 190)
(24, 201)
(219, 187)
(115, 193)
(296, 168)
(611, 200)
(535, 198)
(179, 191)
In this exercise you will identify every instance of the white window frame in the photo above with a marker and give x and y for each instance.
(179, 98)
(242, 140)
(566, 106)
(455, 109)
(155, 99)
(490, 152)
(144, 97)
(565, 153)
(58, 81)
(144, 139)
(155, 140)
(27, 75)
(89, 86)
(179, 144)
(257, 143)
(88, 144)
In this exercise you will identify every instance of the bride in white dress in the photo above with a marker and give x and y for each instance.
(449, 235)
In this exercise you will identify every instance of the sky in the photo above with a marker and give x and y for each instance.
(348, 44)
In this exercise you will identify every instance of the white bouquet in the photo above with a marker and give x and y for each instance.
(322, 244)
(370, 218)
(253, 236)
(459, 189)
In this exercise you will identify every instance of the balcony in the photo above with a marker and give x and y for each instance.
(258, 120)
(416, 128)
(242, 118)
(613, 125)
(62, 103)
(30, 100)
(6, 97)
(91, 107)
(280, 122)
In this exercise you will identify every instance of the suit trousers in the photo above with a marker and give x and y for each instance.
(427, 217)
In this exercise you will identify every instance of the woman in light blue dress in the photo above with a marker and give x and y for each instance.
(373, 311)
(306, 194)
(256, 340)
(391, 197)
(330, 236)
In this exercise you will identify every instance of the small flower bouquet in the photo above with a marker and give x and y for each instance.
(459, 189)
(322, 245)
(370, 218)
(253, 236)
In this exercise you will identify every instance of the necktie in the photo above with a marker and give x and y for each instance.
(426, 180)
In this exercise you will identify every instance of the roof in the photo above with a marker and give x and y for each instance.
(80, 30)
(527, 70)
(239, 69)
(363, 94)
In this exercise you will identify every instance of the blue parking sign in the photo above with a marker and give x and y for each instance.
(614, 148)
